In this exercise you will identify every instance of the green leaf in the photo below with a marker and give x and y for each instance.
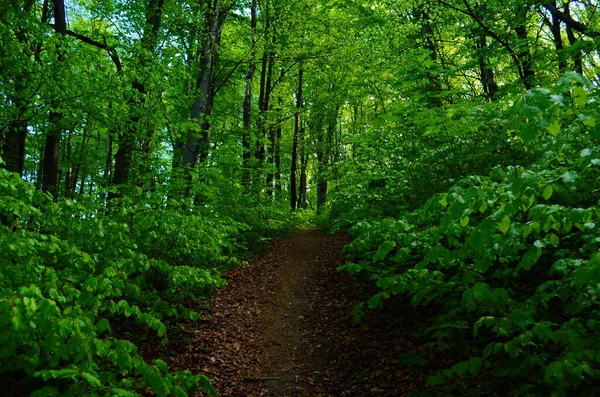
(93, 380)
(383, 250)
(461, 368)
(554, 128)
(548, 192)
(580, 96)
(103, 325)
(483, 265)
(504, 224)
(464, 221)
(435, 380)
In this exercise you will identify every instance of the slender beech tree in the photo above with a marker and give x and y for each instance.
(297, 132)
(51, 145)
(131, 132)
(197, 141)
(247, 112)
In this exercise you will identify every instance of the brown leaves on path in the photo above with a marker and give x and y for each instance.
(284, 327)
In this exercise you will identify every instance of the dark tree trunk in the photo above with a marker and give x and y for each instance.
(107, 177)
(69, 160)
(558, 43)
(79, 164)
(277, 158)
(487, 73)
(523, 50)
(51, 145)
(127, 139)
(13, 147)
(435, 85)
(324, 159)
(577, 54)
(247, 115)
(303, 194)
(197, 143)
(297, 126)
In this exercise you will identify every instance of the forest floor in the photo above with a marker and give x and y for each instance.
(283, 326)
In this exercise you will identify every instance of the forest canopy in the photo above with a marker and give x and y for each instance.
(147, 145)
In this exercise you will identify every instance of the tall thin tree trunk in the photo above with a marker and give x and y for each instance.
(490, 87)
(79, 164)
(435, 85)
(303, 194)
(277, 156)
(324, 159)
(107, 177)
(13, 147)
(69, 160)
(247, 115)
(558, 42)
(523, 50)
(127, 139)
(197, 144)
(51, 145)
(297, 126)
(577, 55)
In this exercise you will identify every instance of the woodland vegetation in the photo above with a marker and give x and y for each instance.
(147, 145)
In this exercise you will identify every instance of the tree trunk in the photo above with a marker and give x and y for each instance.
(13, 147)
(324, 159)
(435, 86)
(490, 88)
(107, 177)
(303, 194)
(51, 145)
(523, 50)
(127, 139)
(558, 43)
(277, 157)
(577, 55)
(79, 164)
(69, 160)
(197, 143)
(297, 127)
(247, 115)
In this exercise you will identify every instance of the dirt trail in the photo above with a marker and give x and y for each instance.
(284, 327)
(292, 326)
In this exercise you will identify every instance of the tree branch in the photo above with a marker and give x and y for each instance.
(103, 46)
(570, 22)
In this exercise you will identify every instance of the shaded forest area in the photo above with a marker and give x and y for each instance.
(147, 146)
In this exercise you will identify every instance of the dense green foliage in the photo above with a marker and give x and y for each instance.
(147, 145)
(509, 256)
(70, 272)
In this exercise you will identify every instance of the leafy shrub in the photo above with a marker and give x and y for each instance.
(509, 260)
(70, 269)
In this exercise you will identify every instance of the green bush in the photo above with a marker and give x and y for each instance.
(70, 270)
(510, 260)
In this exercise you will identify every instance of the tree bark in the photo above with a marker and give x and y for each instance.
(554, 25)
(297, 127)
(303, 189)
(577, 55)
(490, 87)
(197, 143)
(13, 146)
(277, 157)
(127, 139)
(435, 88)
(523, 50)
(324, 159)
(247, 113)
(51, 145)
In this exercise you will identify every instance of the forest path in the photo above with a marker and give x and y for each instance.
(284, 327)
